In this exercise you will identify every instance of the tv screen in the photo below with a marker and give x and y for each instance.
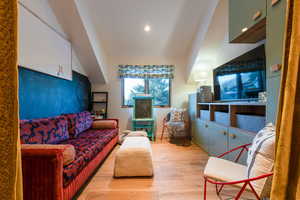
(242, 78)
(228, 86)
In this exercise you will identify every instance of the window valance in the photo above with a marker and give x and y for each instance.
(146, 71)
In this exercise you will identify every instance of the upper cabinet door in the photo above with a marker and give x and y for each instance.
(192, 106)
(247, 21)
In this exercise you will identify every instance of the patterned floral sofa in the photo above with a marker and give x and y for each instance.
(44, 174)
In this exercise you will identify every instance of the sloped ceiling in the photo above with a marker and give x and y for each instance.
(102, 29)
(120, 24)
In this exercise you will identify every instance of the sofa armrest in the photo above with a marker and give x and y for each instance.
(42, 173)
(117, 120)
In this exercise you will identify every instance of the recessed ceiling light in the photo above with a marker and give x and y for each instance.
(244, 29)
(147, 28)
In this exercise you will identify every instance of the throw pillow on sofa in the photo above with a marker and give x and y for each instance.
(68, 151)
(104, 124)
(79, 122)
(50, 130)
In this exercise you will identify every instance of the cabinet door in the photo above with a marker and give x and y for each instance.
(217, 139)
(238, 137)
(273, 90)
(275, 35)
(242, 15)
(192, 106)
(201, 134)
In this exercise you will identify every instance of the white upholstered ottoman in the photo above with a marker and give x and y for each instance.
(134, 158)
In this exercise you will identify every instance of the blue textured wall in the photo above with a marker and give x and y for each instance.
(42, 95)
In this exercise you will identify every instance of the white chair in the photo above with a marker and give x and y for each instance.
(255, 177)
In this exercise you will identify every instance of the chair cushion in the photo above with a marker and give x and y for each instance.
(104, 124)
(68, 150)
(87, 145)
(50, 130)
(260, 160)
(224, 170)
(177, 115)
(79, 122)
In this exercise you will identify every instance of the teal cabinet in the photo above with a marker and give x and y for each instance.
(247, 20)
(192, 114)
(274, 54)
(202, 134)
(275, 35)
(273, 91)
(217, 139)
(192, 106)
(238, 137)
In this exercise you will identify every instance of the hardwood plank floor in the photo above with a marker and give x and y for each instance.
(178, 176)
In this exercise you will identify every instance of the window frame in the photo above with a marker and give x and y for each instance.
(146, 82)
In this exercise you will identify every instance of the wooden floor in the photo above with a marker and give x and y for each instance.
(178, 176)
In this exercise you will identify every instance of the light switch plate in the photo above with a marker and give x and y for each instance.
(274, 2)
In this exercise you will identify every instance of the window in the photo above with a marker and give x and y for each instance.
(159, 88)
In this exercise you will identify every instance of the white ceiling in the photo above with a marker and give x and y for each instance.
(174, 23)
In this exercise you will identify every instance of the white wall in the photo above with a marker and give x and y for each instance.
(56, 48)
(179, 93)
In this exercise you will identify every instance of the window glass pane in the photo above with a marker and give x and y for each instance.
(132, 86)
(160, 90)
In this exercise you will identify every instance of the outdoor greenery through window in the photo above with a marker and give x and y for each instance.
(159, 88)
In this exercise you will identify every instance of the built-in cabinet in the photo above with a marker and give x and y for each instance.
(247, 20)
(219, 127)
(253, 20)
(274, 53)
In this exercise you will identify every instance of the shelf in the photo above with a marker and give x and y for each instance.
(235, 103)
(100, 102)
(248, 116)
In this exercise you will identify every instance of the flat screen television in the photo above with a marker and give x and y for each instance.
(242, 78)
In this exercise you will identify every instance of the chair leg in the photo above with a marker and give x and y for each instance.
(204, 192)
(219, 189)
(162, 134)
(253, 190)
(241, 192)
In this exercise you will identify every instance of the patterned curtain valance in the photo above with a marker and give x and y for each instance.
(146, 71)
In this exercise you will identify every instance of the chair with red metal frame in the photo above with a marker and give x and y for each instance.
(165, 126)
(235, 170)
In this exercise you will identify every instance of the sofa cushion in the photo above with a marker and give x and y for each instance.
(68, 150)
(44, 131)
(87, 145)
(79, 122)
(104, 124)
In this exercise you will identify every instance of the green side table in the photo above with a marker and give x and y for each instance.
(145, 124)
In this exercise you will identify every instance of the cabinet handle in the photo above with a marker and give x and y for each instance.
(206, 126)
(256, 15)
(274, 2)
(233, 136)
(224, 133)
